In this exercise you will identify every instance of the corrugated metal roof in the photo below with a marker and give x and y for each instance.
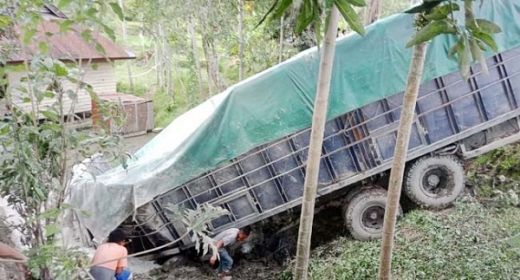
(70, 45)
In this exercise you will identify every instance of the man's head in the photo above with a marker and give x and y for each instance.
(117, 236)
(243, 234)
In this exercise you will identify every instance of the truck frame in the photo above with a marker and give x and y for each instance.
(454, 119)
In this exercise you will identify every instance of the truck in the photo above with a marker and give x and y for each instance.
(455, 119)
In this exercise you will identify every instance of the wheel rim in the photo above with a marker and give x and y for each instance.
(438, 181)
(373, 217)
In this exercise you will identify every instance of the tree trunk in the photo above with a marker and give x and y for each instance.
(240, 40)
(280, 56)
(159, 55)
(168, 78)
(373, 11)
(313, 163)
(123, 27)
(196, 61)
(212, 61)
(398, 164)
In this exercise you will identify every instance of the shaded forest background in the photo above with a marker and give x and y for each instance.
(188, 51)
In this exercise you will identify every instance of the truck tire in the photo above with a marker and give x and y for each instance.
(364, 214)
(434, 182)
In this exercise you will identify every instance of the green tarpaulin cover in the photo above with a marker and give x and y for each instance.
(270, 105)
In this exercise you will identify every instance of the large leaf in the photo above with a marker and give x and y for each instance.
(486, 39)
(431, 30)
(350, 15)
(117, 10)
(51, 229)
(276, 11)
(4, 21)
(476, 53)
(441, 12)
(487, 26)
(305, 17)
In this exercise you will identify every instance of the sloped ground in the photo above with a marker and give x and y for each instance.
(468, 241)
(477, 238)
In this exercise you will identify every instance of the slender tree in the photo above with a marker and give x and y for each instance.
(194, 54)
(434, 18)
(240, 40)
(373, 11)
(123, 27)
(311, 12)
(280, 49)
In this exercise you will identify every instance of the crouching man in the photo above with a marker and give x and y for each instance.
(110, 260)
(223, 241)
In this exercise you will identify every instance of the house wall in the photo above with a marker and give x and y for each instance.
(102, 78)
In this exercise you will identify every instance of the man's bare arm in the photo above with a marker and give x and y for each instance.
(7, 252)
(219, 244)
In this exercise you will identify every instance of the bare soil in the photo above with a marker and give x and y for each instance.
(269, 256)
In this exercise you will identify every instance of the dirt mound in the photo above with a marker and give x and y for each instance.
(268, 256)
(200, 271)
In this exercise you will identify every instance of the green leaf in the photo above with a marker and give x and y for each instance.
(4, 128)
(51, 229)
(60, 70)
(91, 12)
(4, 21)
(117, 10)
(270, 12)
(431, 30)
(442, 12)
(109, 31)
(87, 35)
(476, 53)
(65, 25)
(304, 17)
(487, 26)
(357, 3)
(50, 115)
(43, 47)
(28, 35)
(350, 15)
(39, 193)
(48, 94)
(486, 39)
(100, 48)
(280, 10)
(455, 49)
(63, 3)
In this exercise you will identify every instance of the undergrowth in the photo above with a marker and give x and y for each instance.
(468, 241)
(495, 176)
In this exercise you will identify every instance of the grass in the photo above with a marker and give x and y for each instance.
(468, 241)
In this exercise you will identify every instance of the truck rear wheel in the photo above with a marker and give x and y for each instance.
(364, 214)
(434, 182)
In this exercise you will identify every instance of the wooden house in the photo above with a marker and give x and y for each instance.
(97, 68)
